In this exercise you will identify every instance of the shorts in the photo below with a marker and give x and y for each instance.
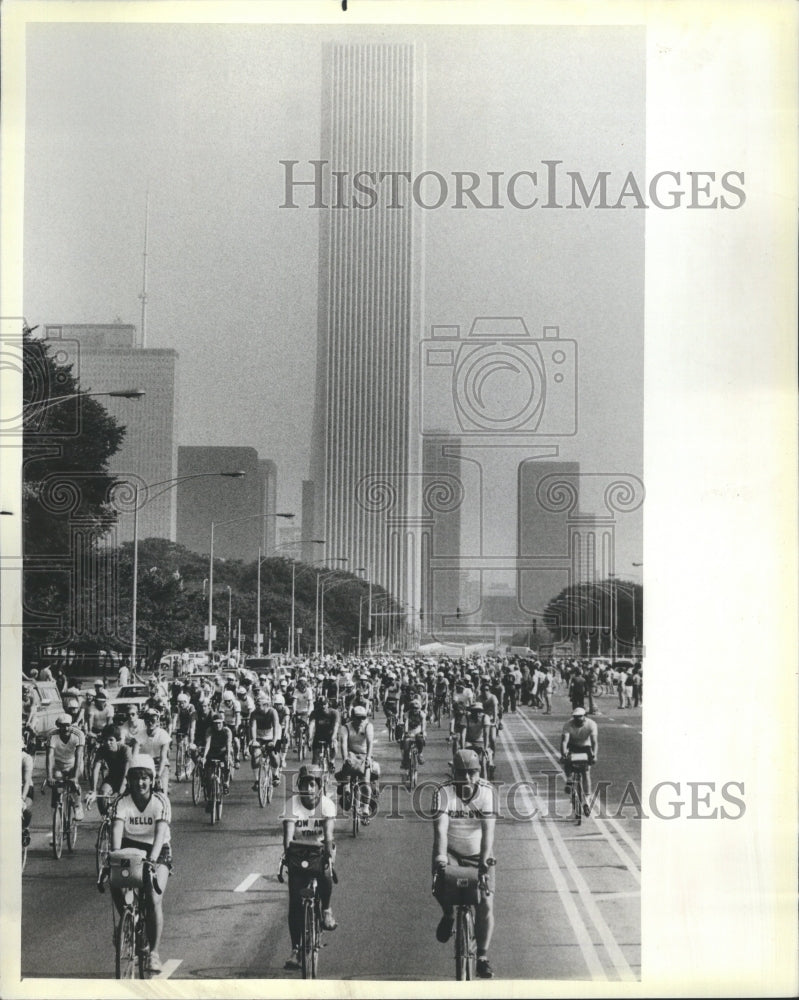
(164, 858)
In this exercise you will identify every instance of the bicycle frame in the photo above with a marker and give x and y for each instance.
(64, 823)
(130, 934)
(580, 765)
(360, 795)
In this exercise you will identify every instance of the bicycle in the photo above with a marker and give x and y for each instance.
(358, 798)
(182, 757)
(461, 889)
(305, 858)
(198, 782)
(65, 824)
(26, 839)
(215, 788)
(102, 843)
(300, 736)
(130, 870)
(413, 764)
(391, 725)
(580, 763)
(324, 763)
(485, 767)
(89, 755)
(265, 772)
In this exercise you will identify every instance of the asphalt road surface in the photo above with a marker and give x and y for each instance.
(567, 902)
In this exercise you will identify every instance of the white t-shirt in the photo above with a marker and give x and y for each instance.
(465, 831)
(154, 745)
(64, 753)
(140, 825)
(309, 823)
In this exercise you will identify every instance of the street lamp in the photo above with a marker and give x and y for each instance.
(232, 520)
(45, 404)
(315, 541)
(334, 583)
(168, 483)
(261, 560)
(229, 610)
(322, 576)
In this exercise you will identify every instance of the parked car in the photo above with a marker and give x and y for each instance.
(130, 694)
(40, 710)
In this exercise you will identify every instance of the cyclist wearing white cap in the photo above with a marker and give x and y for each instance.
(579, 733)
(65, 758)
(464, 817)
(357, 740)
(142, 820)
(155, 743)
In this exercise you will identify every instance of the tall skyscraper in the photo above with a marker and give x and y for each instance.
(365, 444)
(109, 360)
(236, 501)
(268, 481)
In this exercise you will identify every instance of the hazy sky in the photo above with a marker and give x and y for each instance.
(204, 114)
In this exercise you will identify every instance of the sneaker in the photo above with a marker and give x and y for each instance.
(26, 838)
(154, 964)
(255, 786)
(276, 780)
(328, 921)
(444, 929)
(421, 759)
(484, 970)
(79, 812)
(567, 788)
(207, 807)
(586, 809)
(293, 961)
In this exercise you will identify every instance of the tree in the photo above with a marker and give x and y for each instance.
(65, 483)
(599, 616)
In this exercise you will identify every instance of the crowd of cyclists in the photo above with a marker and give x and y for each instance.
(235, 717)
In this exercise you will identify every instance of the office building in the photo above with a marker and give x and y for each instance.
(268, 480)
(109, 360)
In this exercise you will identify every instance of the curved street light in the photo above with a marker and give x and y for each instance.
(45, 404)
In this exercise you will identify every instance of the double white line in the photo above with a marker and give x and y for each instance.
(567, 867)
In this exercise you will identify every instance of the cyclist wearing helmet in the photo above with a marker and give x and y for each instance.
(65, 758)
(284, 718)
(142, 820)
(218, 746)
(461, 699)
(308, 821)
(155, 743)
(477, 734)
(415, 727)
(230, 708)
(464, 817)
(265, 736)
(185, 718)
(323, 728)
(357, 740)
(580, 734)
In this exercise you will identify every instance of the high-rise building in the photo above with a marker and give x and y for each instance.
(234, 504)
(268, 480)
(109, 360)
(443, 583)
(364, 444)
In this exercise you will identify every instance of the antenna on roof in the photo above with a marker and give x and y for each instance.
(143, 293)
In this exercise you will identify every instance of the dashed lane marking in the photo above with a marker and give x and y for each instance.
(168, 968)
(249, 881)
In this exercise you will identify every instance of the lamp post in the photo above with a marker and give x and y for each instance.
(229, 610)
(45, 404)
(261, 560)
(314, 541)
(215, 524)
(168, 484)
(324, 590)
(322, 576)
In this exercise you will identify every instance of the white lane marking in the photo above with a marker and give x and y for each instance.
(611, 944)
(590, 954)
(168, 968)
(250, 880)
(625, 836)
(603, 897)
(629, 863)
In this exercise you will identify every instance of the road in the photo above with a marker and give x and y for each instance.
(567, 898)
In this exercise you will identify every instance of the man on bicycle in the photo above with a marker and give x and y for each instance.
(302, 704)
(110, 769)
(309, 819)
(415, 728)
(65, 758)
(464, 816)
(323, 729)
(461, 699)
(579, 734)
(142, 820)
(26, 792)
(218, 746)
(477, 734)
(357, 739)
(265, 736)
(230, 707)
(185, 718)
(155, 743)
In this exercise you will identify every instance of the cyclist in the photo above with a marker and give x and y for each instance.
(464, 817)
(155, 743)
(441, 694)
(461, 699)
(323, 728)
(218, 746)
(284, 718)
(142, 820)
(580, 734)
(73, 706)
(65, 759)
(391, 696)
(265, 736)
(414, 722)
(27, 792)
(185, 718)
(230, 708)
(477, 734)
(309, 818)
(133, 728)
(357, 739)
(110, 769)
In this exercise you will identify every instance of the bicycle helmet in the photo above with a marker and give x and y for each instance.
(227, 696)
(278, 700)
(358, 711)
(465, 760)
(476, 706)
(142, 762)
(64, 720)
(578, 713)
(183, 698)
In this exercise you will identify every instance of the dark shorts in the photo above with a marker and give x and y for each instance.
(164, 858)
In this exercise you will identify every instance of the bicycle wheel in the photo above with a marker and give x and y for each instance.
(24, 852)
(102, 845)
(308, 940)
(577, 798)
(270, 775)
(355, 796)
(217, 811)
(142, 947)
(126, 947)
(214, 796)
(263, 777)
(58, 829)
(465, 945)
(196, 784)
(180, 761)
(71, 824)
(413, 774)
